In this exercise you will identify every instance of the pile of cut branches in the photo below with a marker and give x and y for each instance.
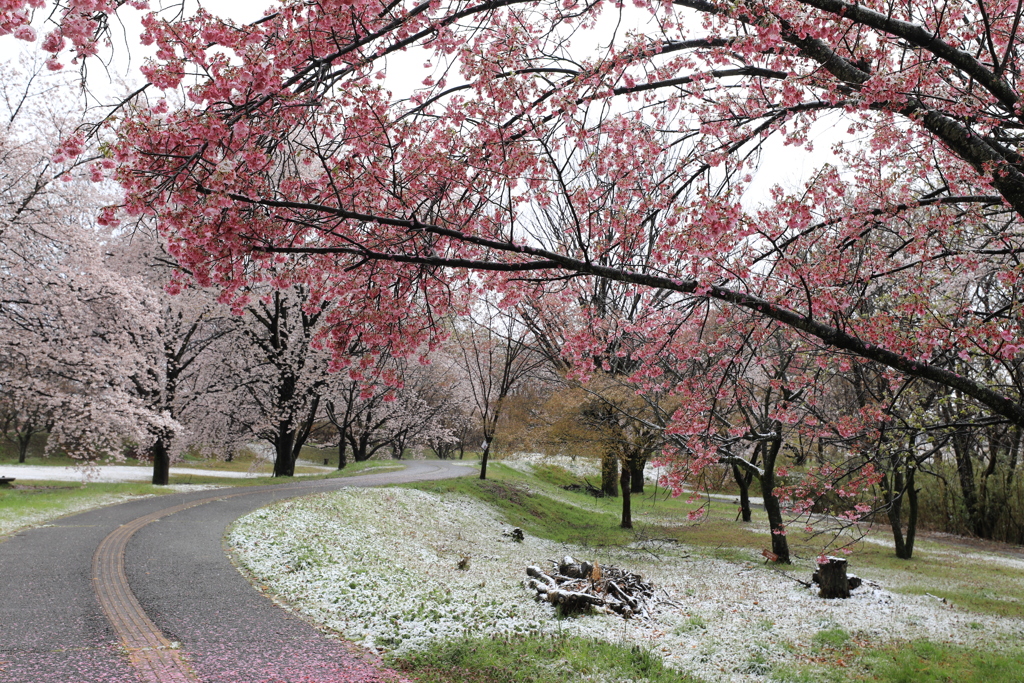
(581, 586)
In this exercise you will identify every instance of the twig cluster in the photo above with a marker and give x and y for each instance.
(578, 586)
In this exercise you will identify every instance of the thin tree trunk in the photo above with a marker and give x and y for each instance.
(624, 481)
(23, 443)
(965, 477)
(893, 489)
(743, 480)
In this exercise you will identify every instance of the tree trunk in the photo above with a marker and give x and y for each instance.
(636, 481)
(610, 474)
(965, 476)
(743, 480)
(342, 454)
(780, 546)
(624, 481)
(359, 448)
(284, 459)
(23, 443)
(912, 512)
(893, 490)
(483, 459)
(161, 461)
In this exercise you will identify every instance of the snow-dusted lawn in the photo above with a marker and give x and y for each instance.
(380, 567)
(22, 517)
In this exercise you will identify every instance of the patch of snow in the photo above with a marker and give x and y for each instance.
(380, 566)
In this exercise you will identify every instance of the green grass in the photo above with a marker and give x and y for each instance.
(540, 515)
(34, 502)
(540, 506)
(838, 659)
(968, 583)
(535, 659)
(926, 662)
(27, 495)
(844, 661)
(354, 469)
(351, 470)
(30, 502)
(831, 639)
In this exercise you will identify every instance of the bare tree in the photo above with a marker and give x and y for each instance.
(495, 352)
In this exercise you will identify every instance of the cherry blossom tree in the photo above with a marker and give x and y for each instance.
(75, 333)
(446, 390)
(396, 406)
(292, 144)
(23, 415)
(757, 397)
(901, 447)
(281, 387)
(190, 325)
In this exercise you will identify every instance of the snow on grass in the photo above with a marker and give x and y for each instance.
(21, 517)
(380, 567)
(12, 520)
(579, 466)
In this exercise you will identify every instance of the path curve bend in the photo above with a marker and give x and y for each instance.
(143, 591)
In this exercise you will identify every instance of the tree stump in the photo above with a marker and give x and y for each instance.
(832, 578)
(6, 481)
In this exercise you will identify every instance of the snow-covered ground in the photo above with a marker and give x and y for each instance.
(381, 567)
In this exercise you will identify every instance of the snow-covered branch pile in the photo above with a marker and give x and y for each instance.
(580, 586)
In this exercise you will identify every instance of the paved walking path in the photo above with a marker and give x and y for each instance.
(145, 592)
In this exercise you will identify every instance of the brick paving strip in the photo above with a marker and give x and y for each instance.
(154, 658)
(152, 655)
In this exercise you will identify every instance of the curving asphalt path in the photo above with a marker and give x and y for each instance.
(66, 592)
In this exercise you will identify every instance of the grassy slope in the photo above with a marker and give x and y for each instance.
(36, 502)
(30, 502)
(540, 506)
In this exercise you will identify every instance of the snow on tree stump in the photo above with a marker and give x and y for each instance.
(832, 578)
